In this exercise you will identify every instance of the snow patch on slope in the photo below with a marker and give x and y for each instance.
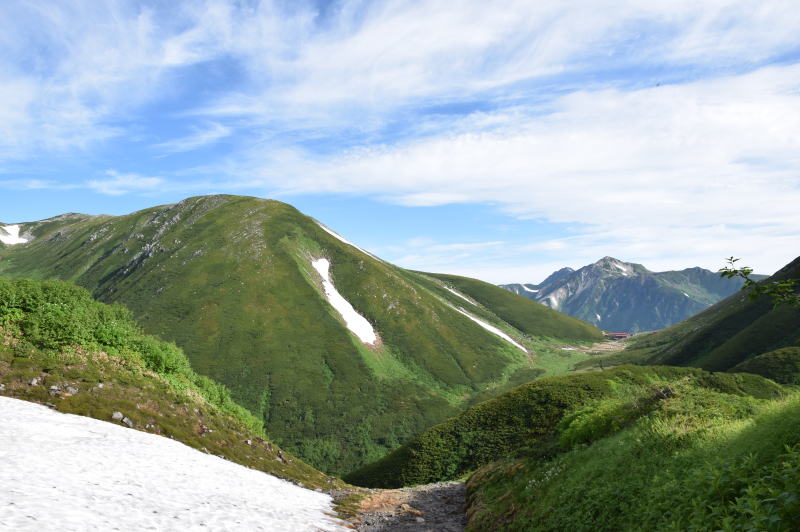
(598, 316)
(623, 268)
(490, 328)
(357, 323)
(339, 237)
(9, 235)
(459, 294)
(77, 473)
(529, 289)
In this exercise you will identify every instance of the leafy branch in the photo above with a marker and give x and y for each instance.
(781, 292)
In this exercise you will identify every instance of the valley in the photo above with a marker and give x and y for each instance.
(399, 266)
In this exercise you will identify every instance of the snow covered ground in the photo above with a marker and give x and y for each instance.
(65, 472)
(357, 323)
(9, 235)
(459, 294)
(491, 328)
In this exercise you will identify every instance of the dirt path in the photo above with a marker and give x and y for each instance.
(606, 347)
(433, 507)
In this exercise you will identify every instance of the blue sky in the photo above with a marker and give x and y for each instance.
(501, 140)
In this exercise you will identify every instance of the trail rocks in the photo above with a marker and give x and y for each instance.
(433, 507)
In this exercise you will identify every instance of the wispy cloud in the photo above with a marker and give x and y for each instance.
(200, 137)
(117, 183)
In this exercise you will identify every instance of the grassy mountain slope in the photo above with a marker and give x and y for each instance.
(524, 420)
(229, 279)
(60, 347)
(731, 332)
(686, 458)
(525, 315)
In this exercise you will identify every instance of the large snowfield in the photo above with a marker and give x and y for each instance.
(66, 472)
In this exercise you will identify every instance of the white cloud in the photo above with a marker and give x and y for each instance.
(117, 183)
(373, 58)
(200, 137)
(666, 166)
(73, 72)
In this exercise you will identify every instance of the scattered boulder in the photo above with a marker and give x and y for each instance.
(72, 390)
(2, 387)
(35, 381)
(117, 416)
(127, 421)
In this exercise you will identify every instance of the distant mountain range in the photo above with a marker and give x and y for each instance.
(626, 297)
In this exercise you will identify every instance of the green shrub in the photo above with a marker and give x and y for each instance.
(601, 418)
(780, 365)
(161, 357)
(55, 315)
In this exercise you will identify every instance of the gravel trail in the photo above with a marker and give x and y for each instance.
(432, 507)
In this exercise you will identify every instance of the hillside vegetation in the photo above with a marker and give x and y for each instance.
(60, 347)
(524, 420)
(229, 280)
(522, 313)
(686, 458)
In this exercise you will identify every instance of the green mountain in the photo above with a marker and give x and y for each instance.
(627, 297)
(525, 420)
(630, 448)
(61, 348)
(738, 333)
(670, 456)
(240, 284)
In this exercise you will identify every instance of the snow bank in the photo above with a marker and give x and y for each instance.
(624, 268)
(357, 323)
(65, 472)
(459, 294)
(343, 239)
(490, 328)
(9, 235)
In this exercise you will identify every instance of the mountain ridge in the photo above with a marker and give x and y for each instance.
(230, 279)
(627, 297)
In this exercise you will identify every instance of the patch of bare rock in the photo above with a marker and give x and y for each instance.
(433, 507)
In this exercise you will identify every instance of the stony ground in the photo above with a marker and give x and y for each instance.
(432, 507)
(605, 347)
